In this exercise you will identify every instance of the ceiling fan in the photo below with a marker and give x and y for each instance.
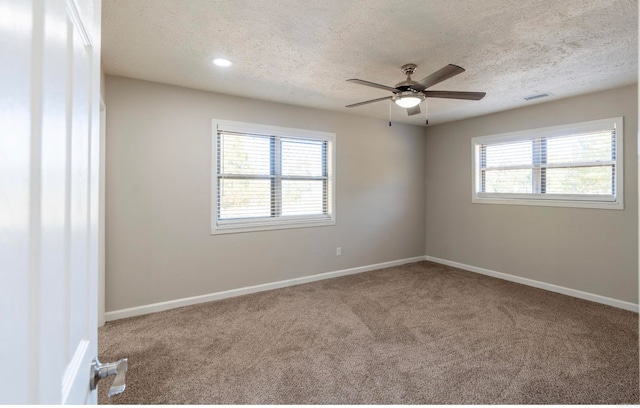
(409, 93)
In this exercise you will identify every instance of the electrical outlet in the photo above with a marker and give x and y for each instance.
(338, 251)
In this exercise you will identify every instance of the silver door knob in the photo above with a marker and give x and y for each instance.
(99, 371)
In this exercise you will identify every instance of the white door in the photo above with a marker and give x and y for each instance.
(49, 199)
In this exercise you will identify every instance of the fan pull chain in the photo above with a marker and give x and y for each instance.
(390, 112)
(426, 112)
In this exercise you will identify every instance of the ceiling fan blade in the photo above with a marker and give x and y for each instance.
(440, 75)
(366, 102)
(372, 84)
(413, 111)
(474, 96)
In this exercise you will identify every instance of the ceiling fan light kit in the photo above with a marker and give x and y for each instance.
(408, 99)
(409, 93)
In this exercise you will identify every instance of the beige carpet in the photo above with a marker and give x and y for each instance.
(419, 333)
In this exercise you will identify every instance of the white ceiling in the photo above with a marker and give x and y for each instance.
(301, 52)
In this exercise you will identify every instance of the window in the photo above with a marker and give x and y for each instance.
(268, 177)
(577, 165)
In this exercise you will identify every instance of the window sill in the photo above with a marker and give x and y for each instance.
(233, 229)
(606, 205)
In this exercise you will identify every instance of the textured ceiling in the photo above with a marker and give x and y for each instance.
(301, 52)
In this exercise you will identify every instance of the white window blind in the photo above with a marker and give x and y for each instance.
(573, 165)
(269, 177)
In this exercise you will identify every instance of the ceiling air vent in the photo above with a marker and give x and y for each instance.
(538, 96)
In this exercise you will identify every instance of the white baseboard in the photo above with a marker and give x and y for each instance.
(541, 285)
(172, 304)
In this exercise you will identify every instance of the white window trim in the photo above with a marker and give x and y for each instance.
(578, 201)
(284, 223)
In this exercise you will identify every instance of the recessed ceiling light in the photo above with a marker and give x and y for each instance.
(222, 62)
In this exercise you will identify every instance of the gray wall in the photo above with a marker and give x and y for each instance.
(158, 238)
(591, 250)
